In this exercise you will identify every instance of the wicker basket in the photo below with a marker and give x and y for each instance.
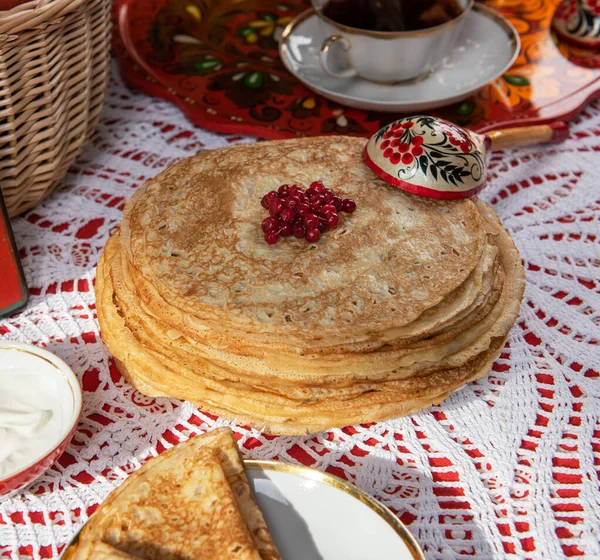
(54, 64)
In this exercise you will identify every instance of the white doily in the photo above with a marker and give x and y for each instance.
(506, 467)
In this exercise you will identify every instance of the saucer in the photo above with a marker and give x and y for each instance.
(487, 47)
(314, 515)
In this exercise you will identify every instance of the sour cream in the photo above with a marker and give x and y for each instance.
(40, 404)
(30, 419)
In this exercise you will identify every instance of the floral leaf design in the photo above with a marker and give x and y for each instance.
(438, 149)
(465, 108)
(252, 88)
(514, 80)
(581, 23)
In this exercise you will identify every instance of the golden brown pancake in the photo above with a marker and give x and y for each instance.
(102, 551)
(403, 303)
(286, 374)
(192, 501)
(194, 232)
(159, 374)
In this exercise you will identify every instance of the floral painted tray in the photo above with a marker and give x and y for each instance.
(218, 61)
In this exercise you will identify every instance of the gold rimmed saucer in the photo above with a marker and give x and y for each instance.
(487, 47)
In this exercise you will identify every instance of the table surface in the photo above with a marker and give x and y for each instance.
(507, 467)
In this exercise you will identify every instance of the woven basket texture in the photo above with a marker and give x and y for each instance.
(54, 65)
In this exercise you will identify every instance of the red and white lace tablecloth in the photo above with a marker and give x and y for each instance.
(507, 467)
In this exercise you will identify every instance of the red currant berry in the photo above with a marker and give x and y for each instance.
(285, 230)
(322, 227)
(288, 215)
(317, 185)
(271, 237)
(327, 209)
(264, 202)
(312, 235)
(327, 197)
(338, 202)
(310, 192)
(299, 231)
(271, 196)
(293, 201)
(318, 199)
(311, 221)
(283, 191)
(349, 205)
(303, 209)
(276, 207)
(332, 220)
(270, 224)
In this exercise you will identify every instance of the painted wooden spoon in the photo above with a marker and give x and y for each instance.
(432, 157)
(578, 21)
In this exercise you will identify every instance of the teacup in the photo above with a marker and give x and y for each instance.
(387, 56)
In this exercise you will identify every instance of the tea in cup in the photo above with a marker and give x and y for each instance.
(388, 41)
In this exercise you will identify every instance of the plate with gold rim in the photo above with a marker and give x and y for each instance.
(314, 515)
(487, 47)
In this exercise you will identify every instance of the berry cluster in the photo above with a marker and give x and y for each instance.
(399, 145)
(593, 6)
(396, 150)
(566, 10)
(303, 214)
(460, 141)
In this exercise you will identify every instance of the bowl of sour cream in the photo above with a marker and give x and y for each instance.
(40, 405)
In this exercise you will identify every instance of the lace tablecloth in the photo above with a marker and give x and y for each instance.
(507, 467)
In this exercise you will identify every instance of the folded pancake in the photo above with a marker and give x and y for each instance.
(223, 442)
(193, 501)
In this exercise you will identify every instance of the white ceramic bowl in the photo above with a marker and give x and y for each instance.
(48, 376)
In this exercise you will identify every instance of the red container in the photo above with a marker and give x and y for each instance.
(13, 289)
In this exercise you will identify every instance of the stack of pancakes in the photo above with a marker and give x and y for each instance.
(404, 302)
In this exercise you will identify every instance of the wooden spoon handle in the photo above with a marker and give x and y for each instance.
(526, 136)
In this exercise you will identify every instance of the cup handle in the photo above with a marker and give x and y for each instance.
(349, 71)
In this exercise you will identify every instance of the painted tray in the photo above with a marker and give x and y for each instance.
(218, 61)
